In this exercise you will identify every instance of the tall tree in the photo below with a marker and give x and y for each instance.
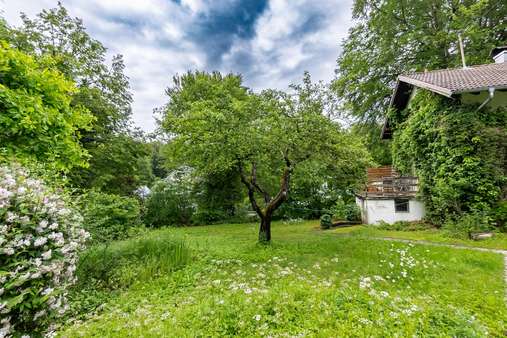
(218, 125)
(395, 36)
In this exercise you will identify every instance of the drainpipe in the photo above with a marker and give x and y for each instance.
(491, 91)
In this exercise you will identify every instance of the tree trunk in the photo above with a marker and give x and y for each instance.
(271, 203)
(265, 229)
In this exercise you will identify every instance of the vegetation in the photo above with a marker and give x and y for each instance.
(219, 126)
(109, 217)
(458, 153)
(223, 153)
(420, 232)
(392, 37)
(308, 282)
(38, 121)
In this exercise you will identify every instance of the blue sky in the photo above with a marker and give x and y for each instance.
(270, 42)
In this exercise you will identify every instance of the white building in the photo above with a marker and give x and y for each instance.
(389, 197)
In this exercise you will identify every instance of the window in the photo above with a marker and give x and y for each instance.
(401, 205)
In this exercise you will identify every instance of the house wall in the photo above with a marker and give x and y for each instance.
(499, 100)
(375, 210)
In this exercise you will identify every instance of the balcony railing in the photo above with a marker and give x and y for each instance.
(403, 186)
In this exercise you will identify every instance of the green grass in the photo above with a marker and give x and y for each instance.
(308, 282)
(498, 241)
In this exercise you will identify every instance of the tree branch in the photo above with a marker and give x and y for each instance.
(251, 191)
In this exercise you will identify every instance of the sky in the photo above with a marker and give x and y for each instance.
(270, 42)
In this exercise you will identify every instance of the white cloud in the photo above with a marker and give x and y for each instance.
(160, 38)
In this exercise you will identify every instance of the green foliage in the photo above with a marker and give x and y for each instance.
(346, 211)
(466, 225)
(105, 270)
(325, 221)
(118, 165)
(458, 153)
(119, 264)
(170, 201)
(500, 215)
(109, 217)
(380, 150)
(405, 226)
(105, 90)
(219, 127)
(391, 37)
(38, 121)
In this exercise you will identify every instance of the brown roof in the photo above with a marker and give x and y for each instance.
(455, 81)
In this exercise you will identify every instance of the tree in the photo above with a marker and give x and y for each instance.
(117, 166)
(218, 125)
(37, 120)
(396, 36)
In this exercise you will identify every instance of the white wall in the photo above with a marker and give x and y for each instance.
(375, 210)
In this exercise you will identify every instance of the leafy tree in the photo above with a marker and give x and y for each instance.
(217, 125)
(37, 120)
(395, 36)
(117, 166)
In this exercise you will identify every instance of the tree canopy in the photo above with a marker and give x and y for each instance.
(218, 125)
(38, 121)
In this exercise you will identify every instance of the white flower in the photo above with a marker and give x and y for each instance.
(46, 255)
(257, 317)
(40, 241)
(9, 251)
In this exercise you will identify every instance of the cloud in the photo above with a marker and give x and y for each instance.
(270, 42)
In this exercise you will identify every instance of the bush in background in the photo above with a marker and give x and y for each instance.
(325, 221)
(466, 225)
(169, 203)
(40, 236)
(346, 211)
(109, 217)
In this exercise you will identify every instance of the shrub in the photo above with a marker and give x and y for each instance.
(39, 243)
(466, 225)
(325, 221)
(405, 226)
(169, 203)
(109, 217)
(346, 211)
(500, 215)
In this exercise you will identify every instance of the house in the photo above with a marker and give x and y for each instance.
(390, 197)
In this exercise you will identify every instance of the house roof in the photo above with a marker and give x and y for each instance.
(448, 82)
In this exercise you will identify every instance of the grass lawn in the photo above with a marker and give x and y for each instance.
(498, 241)
(308, 283)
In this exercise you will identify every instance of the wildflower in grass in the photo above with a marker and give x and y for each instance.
(257, 317)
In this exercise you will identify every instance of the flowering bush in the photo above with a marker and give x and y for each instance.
(39, 241)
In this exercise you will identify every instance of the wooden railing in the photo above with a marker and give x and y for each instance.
(402, 186)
